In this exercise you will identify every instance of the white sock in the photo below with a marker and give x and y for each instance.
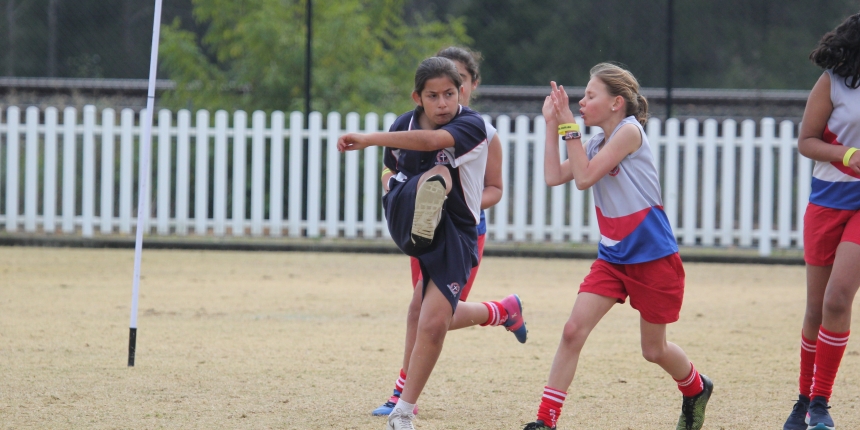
(404, 406)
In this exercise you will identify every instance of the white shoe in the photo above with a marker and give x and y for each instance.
(400, 420)
(428, 210)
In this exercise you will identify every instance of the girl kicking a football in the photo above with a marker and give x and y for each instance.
(432, 208)
(637, 255)
(506, 312)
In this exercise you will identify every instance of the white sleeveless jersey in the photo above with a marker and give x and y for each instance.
(633, 226)
(834, 185)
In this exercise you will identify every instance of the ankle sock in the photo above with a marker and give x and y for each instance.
(403, 405)
(498, 314)
(692, 385)
(550, 406)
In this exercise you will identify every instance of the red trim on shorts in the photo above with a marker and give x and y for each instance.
(655, 288)
(824, 229)
(415, 265)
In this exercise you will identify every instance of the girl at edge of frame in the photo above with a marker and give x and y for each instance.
(439, 151)
(830, 135)
(637, 255)
(506, 312)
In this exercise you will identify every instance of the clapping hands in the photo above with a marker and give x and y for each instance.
(556, 106)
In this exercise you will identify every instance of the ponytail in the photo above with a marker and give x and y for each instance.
(620, 82)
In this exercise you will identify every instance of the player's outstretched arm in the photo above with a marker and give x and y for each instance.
(416, 140)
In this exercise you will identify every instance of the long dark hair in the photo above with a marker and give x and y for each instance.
(840, 50)
(470, 59)
(436, 67)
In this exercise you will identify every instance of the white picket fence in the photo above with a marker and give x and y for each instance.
(724, 184)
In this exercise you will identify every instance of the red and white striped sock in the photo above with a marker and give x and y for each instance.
(692, 385)
(398, 386)
(828, 355)
(807, 364)
(550, 406)
(498, 314)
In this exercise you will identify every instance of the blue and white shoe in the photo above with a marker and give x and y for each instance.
(515, 323)
(797, 419)
(387, 407)
(818, 417)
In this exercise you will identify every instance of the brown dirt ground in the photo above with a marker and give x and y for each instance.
(314, 340)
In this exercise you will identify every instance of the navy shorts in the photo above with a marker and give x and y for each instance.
(448, 261)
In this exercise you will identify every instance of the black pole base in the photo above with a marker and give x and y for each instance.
(132, 342)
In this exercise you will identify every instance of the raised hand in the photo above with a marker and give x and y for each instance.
(561, 102)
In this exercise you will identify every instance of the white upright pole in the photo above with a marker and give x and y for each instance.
(143, 189)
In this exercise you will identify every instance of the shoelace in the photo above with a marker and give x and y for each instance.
(817, 408)
(687, 409)
(405, 421)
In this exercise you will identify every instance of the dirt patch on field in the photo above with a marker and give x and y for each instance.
(312, 340)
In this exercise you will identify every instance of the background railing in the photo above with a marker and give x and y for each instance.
(724, 183)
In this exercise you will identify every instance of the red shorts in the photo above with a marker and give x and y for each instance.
(824, 229)
(656, 288)
(416, 270)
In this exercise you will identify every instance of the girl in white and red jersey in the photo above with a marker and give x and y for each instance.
(830, 135)
(506, 312)
(637, 255)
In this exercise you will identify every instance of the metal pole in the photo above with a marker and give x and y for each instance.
(143, 175)
(308, 39)
(670, 30)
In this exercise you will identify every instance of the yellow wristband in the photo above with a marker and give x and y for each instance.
(564, 128)
(384, 171)
(848, 155)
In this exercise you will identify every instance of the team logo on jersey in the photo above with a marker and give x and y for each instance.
(454, 287)
(442, 158)
(615, 171)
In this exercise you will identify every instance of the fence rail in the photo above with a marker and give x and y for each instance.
(724, 183)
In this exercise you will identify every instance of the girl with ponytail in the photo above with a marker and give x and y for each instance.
(637, 255)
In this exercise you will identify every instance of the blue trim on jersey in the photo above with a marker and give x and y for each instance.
(836, 195)
(482, 226)
(651, 240)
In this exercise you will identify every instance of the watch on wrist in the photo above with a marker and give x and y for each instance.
(570, 135)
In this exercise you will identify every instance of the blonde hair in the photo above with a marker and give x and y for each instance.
(620, 82)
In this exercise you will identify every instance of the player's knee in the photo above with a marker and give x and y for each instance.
(837, 301)
(434, 328)
(653, 353)
(573, 335)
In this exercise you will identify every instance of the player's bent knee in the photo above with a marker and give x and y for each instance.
(653, 354)
(573, 335)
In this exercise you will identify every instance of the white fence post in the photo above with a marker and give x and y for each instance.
(350, 208)
(670, 184)
(107, 190)
(258, 171)
(31, 169)
(691, 180)
(240, 155)
(786, 183)
(69, 168)
(500, 218)
(49, 205)
(165, 164)
(13, 117)
(219, 175)
(765, 187)
(276, 180)
(727, 187)
(538, 203)
(747, 177)
(371, 179)
(332, 182)
(709, 183)
(314, 173)
(126, 170)
(88, 185)
(183, 161)
(294, 205)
